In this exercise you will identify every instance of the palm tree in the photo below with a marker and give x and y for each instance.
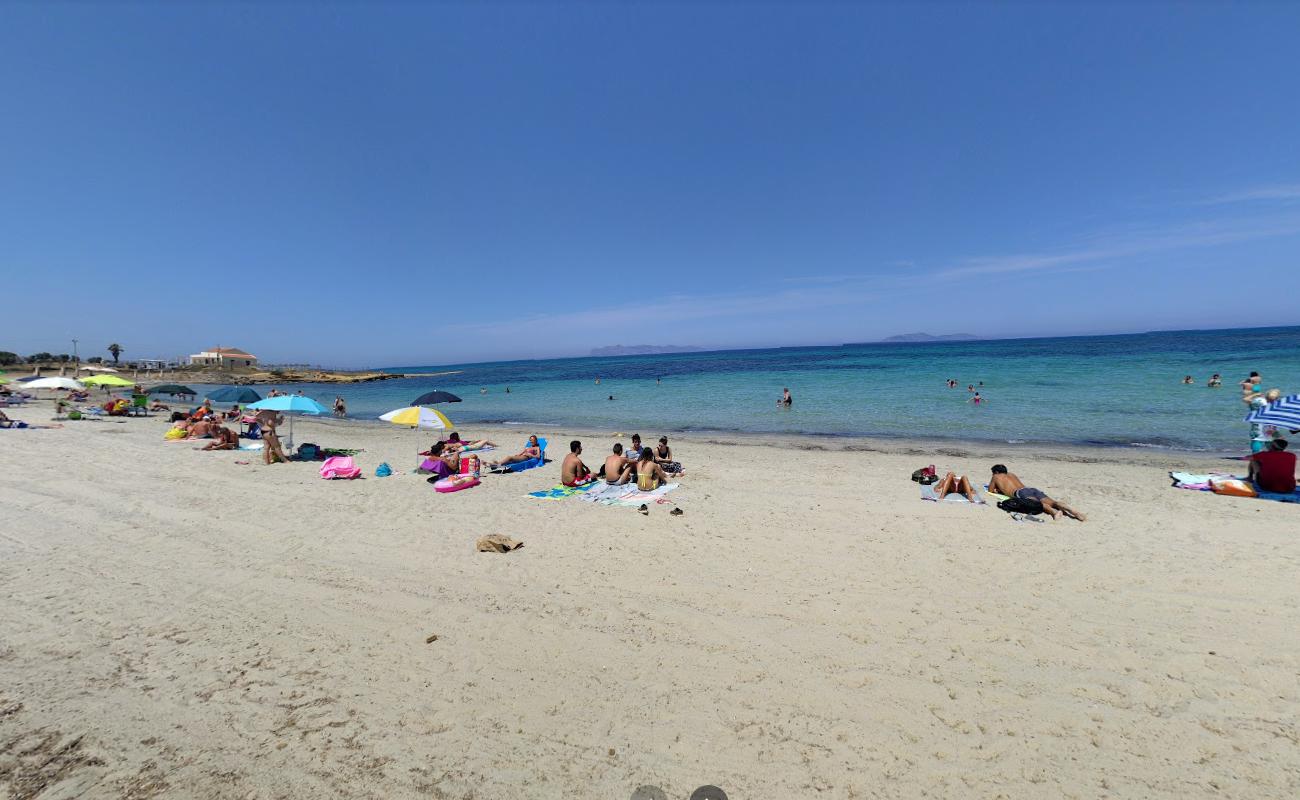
(116, 350)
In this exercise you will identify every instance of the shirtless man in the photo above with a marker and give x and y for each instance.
(533, 450)
(573, 472)
(223, 438)
(618, 470)
(1007, 483)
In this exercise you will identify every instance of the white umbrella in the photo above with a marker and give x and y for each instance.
(99, 369)
(54, 383)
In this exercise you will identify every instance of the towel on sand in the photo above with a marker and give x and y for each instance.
(625, 495)
(928, 493)
(1201, 483)
(562, 492)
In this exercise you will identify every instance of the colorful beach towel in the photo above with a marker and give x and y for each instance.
(562, 492)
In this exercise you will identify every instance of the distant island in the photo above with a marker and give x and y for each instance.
(643, 349)
(925, 337)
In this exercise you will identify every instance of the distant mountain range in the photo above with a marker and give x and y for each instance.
(925, 337)
(643, 349)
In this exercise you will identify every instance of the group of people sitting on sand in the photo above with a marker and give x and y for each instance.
(647, 467)
(1008, 484)
(205, 422)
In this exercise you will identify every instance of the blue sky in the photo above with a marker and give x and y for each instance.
(367, 184)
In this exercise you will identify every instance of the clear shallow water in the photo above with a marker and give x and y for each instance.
(1105, 390)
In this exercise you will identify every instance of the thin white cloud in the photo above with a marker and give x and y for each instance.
(1115, 247)
(1284, 192)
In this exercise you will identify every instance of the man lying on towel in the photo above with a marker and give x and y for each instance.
(573, 472)
(1007, 483)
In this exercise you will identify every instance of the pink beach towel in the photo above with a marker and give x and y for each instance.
(339, 467)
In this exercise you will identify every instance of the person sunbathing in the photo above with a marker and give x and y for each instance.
(573, 472)
(1007, 483)
(157, 406)
(223, 438)
(457, 444)
(201, 429)
(6, 422)
(952, 483)
(441, 461)
(233, 413)
(617, 469)
(649, 475)
(533, 450)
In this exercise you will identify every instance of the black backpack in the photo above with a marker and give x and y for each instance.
(1015, 505)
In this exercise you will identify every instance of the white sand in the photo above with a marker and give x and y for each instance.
(176, 624)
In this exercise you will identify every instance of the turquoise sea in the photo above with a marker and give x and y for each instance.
(1099, 390)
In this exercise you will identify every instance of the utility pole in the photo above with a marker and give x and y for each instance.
(76, 362)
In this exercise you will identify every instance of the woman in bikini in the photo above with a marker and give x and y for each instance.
(664, 457)
(649, 475)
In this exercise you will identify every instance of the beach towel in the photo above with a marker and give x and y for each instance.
(562, 492)
(1206, 482)
(436, 467)
(625, 495)
(928, 493)
(252, 445)
(339, 467)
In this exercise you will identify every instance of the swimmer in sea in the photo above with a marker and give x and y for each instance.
(977, 399)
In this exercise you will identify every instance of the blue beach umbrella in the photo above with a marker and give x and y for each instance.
(1284, 413)
(290, 403)
(235, 394)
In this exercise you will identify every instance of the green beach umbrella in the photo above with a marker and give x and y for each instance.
(106, 380)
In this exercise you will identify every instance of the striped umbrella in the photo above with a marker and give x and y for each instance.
(1284, 413)
(418, 417)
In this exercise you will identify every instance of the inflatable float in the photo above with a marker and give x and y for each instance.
(455, 483)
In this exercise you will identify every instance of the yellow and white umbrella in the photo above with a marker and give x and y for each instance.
(418, 417)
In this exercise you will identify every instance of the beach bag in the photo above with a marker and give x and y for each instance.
(1232, 486)
(925, 475)
(383, 470)
(1015, 505)
(174, 433)
(308, 451)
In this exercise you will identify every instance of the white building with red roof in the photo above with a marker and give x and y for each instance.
(224, 357)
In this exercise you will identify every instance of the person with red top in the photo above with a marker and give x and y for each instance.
(1273, 470)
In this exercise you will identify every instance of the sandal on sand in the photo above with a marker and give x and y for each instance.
(676, 512)
(644, 509)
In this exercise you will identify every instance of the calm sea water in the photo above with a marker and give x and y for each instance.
(1103, 390)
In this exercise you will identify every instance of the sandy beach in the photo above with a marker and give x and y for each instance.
(179, 624)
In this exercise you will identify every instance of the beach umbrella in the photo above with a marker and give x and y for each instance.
(106, 380)
(430, 398)
(171, 388)
(1284, 413)
(291, 403)
(93, 368)
(235, 394)
(54, 383)
(29, 379)
(418, 417)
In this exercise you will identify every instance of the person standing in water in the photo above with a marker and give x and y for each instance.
(786, 400)
(340, 407)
